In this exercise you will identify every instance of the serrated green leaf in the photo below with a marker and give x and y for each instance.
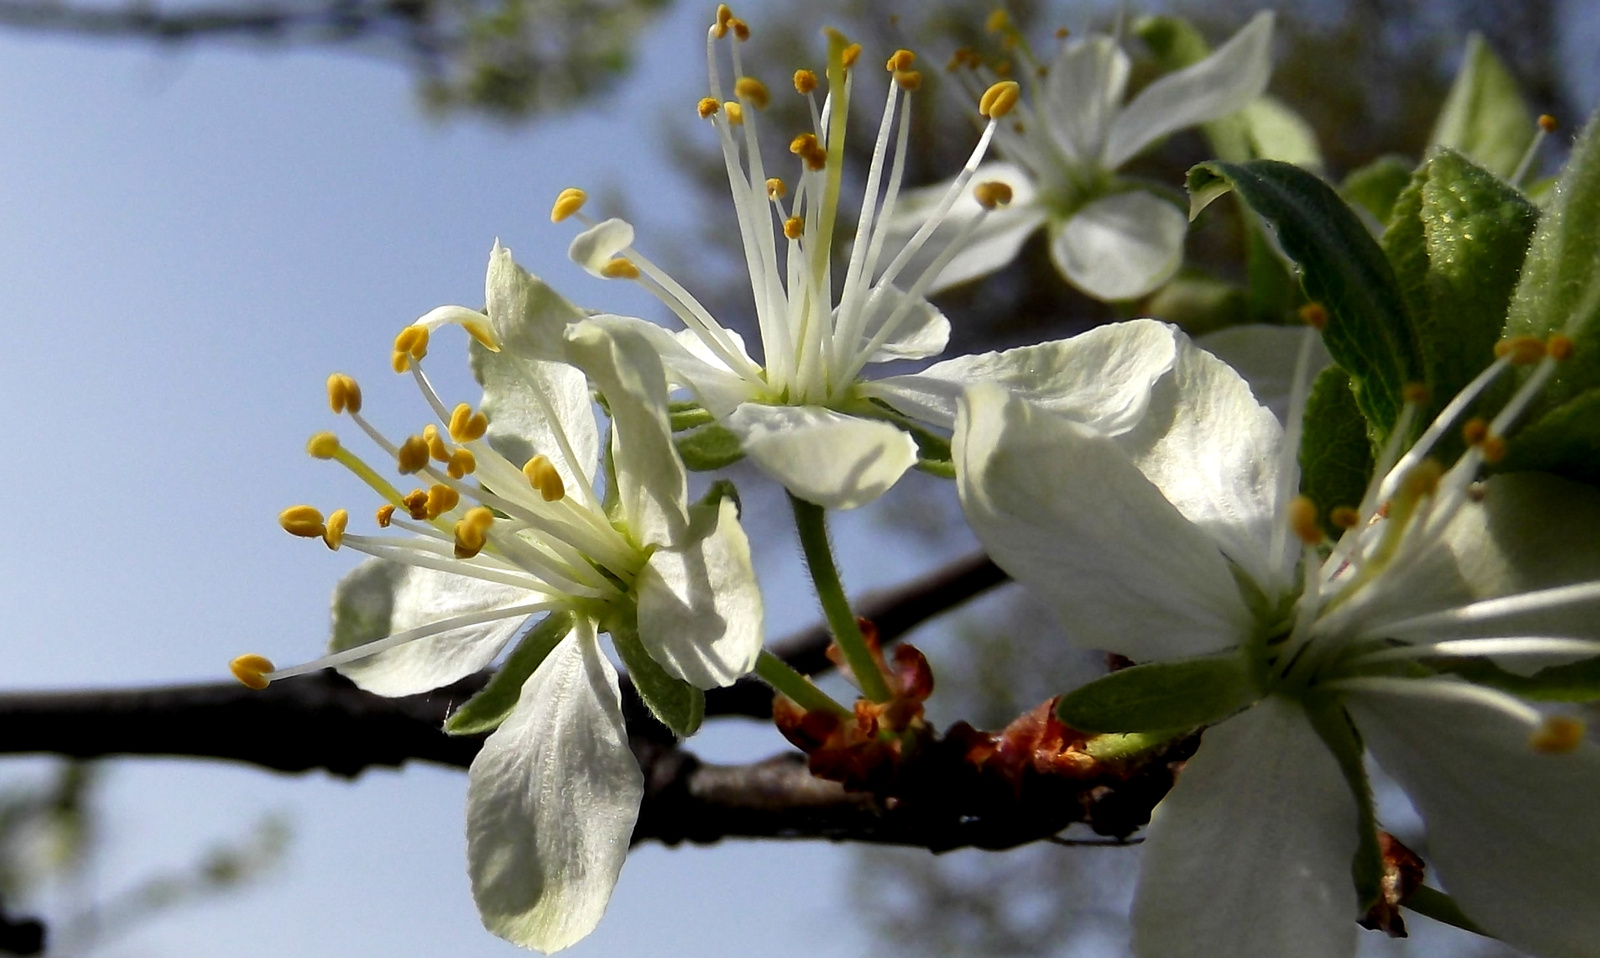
(675, 703)
(1376, 186)
(1573, 682)
(1341, 266)
(485, 711)
(687, 414)
(1484, 115)
(709, 447)
(1337, 732)
(1162, 696)
(1335, 456)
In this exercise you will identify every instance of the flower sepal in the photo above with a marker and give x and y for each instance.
(1163, 696)
(485, 711)
(675, 703)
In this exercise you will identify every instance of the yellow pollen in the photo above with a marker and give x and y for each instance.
(472, 532)
(569, 201)
(804, 81)
(901, 61)
(302, 521)
(385, 514)
(323, 445)
(410, 344)
(343, 394)
(908, 80)
(724, 15)
(998, 20)
(1303, 520)
(850, 55)
(542, 475)
(333, 535)
(775, 189)
(251, 670)
(1344, 517)
(707, 106)
(462, 464)
(436, 444)
(1547, 123)
(1523, 350)
(1559, 347)
(735, 113)
(741, 30)
(412, 456)
(416, 502)
(749, 88)
(466, 425)
(794, 227)
(1474, 431)
(1314, 315)
(808, 149)
(440, 500)
(399, 361)
(620, 268)
(1557, 735)
(998, 100)
(992, 193)
(483, 333)
(1494, 449)
(1417, 394)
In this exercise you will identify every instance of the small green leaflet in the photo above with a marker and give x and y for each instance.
(1337, 732)
(485, 711)
(1162, 696)
(1377, 185)
(709, 447)
(1484, 115)
(675, 703)
(1335, 457)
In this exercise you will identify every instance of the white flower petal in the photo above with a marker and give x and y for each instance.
(1222, 83)
(599, 244)
(1514, 833)
(1101, 378)
(690, 363)
(627, 370)
(1120, 246)
(993, 245)
(519, 393)
(551, 802)
(378, 599)
(527, 315)
(1249, 855)
(1062, 509)
(1266, 356)
(822, 456)
(1083, 91)
(700, 612)
(922, 332)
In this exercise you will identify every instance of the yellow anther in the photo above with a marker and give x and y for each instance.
(1062, 33)
(483, 333)
(992, 193)
(399, 361)
(808, 149)
(416, 503)
(570, 201)
(1547, 123)
(440, 500)
(466, 425)
(1523, 350)
(472, 532)
(753, 90)
(333, 535)
(252, 670)
(707, 106)
(794, 227)
(741, 30)
(776, 190)
(998, 100)
(901, 61)
(804, 81)
(437, 449)
(412, 456)
(385, 515)
(735, 113)
(411, 342)
(619, 268)
(1557, 735)
(1003, 68)
(908, 80)
(302, 521)
(343, 394)
(1474, 431)
(998, 21)
(462, 464)
(1493, 449)
(323, 445)
(1314, 315)
(1344, 517)
(959, 59)
(542, 475)
(481, 517)
(1303, 520)
(724, 15)
(850, 55)
(1417, 394)
(1421, 480)
(1559, 347)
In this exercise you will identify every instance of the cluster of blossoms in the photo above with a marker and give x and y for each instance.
(1126, 475)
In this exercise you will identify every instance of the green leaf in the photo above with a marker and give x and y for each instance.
(1335, 456)
(675, 703)
(1484, 116)
(1339, 734)
(709, 447)
(1376, 186)
(1341, 266)
(687, 414)
(485, 711)
(1162, 696)
(1573, 682)
(1273, 292)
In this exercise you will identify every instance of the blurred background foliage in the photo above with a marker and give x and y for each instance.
(1369, 76)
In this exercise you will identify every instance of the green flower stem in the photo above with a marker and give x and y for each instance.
(811, 521)
(783, 678)
(1441, 907)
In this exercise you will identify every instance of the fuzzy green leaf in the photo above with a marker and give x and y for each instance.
(485, 711)
(709, 447)
(1335, 456)
(1162, 696)
(687, 414)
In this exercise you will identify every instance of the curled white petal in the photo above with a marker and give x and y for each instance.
(1120, 246)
